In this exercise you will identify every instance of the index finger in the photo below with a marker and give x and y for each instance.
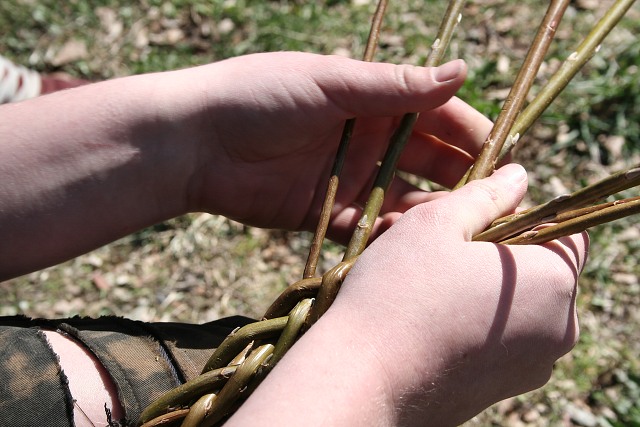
(456, 123)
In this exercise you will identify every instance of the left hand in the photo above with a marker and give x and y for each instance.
(270, 126)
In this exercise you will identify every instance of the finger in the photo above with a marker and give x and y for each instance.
(573, 248)
(428, 157)
(473, 207)
(458, 124)
(400, 197)
(379, 89)
(344, 222)
(549, 274)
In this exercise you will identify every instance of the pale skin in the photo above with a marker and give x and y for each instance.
(429, 329)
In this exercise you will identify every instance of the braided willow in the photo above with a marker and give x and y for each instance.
(247, 355)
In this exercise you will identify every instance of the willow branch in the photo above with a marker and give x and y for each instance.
(486, 161)
(287, 300)
(399, 139)
(187, 392)
(235, 387)
(331, 283)
(543, 213)
(363, 229)
(612, 212)
(291, 332)
(347, 131)
(567, 71)
(238, 340)
(167, 419)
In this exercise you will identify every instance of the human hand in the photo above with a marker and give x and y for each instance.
(272, 123)
(489, 319)
(252, 138)
(429, 327)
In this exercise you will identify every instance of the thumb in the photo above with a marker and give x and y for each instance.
(471, 209)
(378, 89)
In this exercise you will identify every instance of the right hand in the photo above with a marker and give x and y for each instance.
(459, 325)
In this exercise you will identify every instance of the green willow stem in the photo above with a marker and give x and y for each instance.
(199, 410)
(486, 161)
(543, 213)
(227, 398)
(363, 229)
(187, 392)
(331, 283)
(620, 209)
(167, 419)
(568, 70)
(398, 141)
(239, 339)
(291, 332)
(347, 132)
(305, 288)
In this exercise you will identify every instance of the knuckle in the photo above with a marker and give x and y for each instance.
(487, 190)
(404, 79)
(429, 215)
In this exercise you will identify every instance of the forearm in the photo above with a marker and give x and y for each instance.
(83, 167)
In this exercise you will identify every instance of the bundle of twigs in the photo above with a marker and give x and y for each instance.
(247, 355)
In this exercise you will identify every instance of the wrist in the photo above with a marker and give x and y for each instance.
(331, 376)
(165, 130)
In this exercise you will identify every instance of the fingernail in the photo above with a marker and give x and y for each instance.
(448, 71)
(513, 173)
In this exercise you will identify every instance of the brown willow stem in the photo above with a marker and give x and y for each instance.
(567, 71)
(543, 213)
(617, 210)
(576, 213)
(398, 141)
(486, 161)
(347, 131)
(565, 216)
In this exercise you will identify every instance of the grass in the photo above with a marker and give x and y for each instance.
(198, 267)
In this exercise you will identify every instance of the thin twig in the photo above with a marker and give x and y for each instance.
(331, 283)
(543, 213)
(183, 394)
(617, 210)
(486, 161)
(566, 72)
(398, 141)
(347, 131)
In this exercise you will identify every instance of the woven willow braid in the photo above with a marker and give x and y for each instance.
(243, 359)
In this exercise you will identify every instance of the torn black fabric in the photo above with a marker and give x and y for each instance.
(144, 360)
(33, 389)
